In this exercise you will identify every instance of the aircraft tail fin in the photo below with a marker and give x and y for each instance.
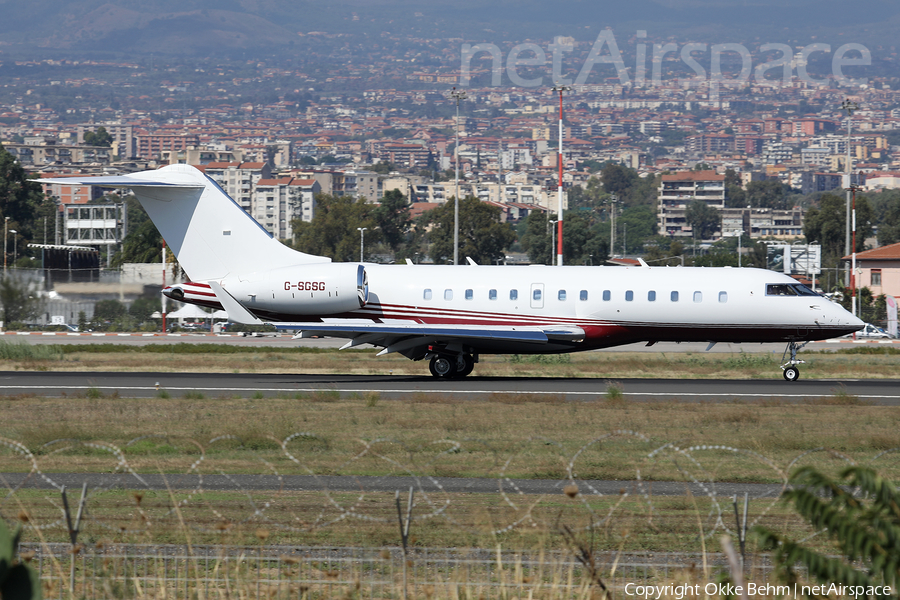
(210, 234)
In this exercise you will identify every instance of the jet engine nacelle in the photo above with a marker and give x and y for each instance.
(317, 289)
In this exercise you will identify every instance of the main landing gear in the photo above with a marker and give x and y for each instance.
(791, 372)
(451, 366)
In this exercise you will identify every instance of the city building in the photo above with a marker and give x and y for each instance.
(678, 190)
(277, 202)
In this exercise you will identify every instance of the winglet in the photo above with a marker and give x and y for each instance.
(236, 312)
(471, 261)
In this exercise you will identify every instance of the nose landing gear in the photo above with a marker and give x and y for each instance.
(791, 372)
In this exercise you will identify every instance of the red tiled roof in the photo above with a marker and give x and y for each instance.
(889, 252)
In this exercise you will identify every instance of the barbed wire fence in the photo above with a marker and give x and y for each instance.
(143, 527)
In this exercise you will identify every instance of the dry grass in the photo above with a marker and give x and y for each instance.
(536, 438)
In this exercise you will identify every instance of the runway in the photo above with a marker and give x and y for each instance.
(399, 387)
(389, 484)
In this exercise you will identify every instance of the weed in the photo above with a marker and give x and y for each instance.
(257, 396)
(614, 394)
(93, 392)
(164, 394)
(19, 350)
(194, 395)
(372, 399)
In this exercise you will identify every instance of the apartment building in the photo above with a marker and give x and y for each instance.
(238, 179)
(151, 146)
(714, 143)
(40, 152)
(678, 190)
(277, 202)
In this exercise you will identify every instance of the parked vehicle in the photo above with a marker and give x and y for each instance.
(872, 333)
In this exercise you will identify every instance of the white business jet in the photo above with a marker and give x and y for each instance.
(453, 315)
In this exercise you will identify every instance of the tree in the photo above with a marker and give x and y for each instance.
(143, 307)
(618, 179)
(826, 224)
(100, 137)
(887, 215)
(109, 310)
(20, 198)
(333, 230)
(536, 238)
(19, 299)
(482, 236)
(392, 219)
(858, 512)
(703, 218)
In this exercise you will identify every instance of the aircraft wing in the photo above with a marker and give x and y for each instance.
(398, 337)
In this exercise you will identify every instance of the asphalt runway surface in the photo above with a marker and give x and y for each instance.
(399, 387)
(371, 484)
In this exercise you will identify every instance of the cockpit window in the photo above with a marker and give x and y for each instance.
(802, 290)
(788, 289)
(780, 289)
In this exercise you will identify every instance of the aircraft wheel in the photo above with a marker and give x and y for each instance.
(465, 365)
(792, 374)
(442, 367)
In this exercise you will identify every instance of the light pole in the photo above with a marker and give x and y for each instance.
(457, 95)
(362, 238)
(849, 106)
(5, 228)
(612, 225)
(552, 239)
(15, 246)
(559, 238)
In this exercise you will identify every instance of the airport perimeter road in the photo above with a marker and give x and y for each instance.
(371, 484)
(212, 385)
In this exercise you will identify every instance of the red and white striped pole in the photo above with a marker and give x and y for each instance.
(559, 223)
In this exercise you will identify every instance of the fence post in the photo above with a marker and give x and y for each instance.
(404, 530)
(73, 531)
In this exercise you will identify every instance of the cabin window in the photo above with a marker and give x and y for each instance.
(448, 294)
(629, 296)
(606, 295)
(536, 294)
(513, 294)
(723, 297)
(427, 294)
(582, 295)
(492, 294)
(561, 295)
(469, 294)
(651, 296)
(698, 296)
(673, 296)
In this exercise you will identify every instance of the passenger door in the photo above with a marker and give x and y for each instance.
(537, 295)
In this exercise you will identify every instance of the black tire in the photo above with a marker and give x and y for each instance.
(442, 367)
(791, 374)
(468, 366)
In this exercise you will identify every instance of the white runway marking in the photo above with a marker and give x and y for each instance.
(435, 391)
